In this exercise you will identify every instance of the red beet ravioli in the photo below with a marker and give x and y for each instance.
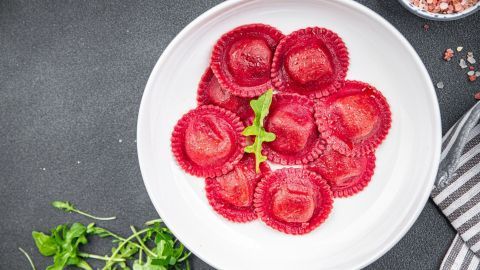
(231, 195)
(292, 200)
(292, 120)
(345, 175)
(207, 141)
(312, 61)
(354, 120)
(242, 58)
(210, 92)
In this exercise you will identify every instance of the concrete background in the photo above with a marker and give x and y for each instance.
(72, 74)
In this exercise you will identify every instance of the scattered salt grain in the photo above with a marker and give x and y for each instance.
(78, 162)
(477, 73)
(43, 169)
(471, 73)
(440, 85)
(477, 96)
(120, 140)
(471, 60)
(459, 49)
(462, 63)
(472, 78)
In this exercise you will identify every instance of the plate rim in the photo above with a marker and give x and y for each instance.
(372, 14)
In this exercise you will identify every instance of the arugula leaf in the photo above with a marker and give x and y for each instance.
(147, 266)
(69, 207)
(102, 232)
(168, 253)
(45, 244)
(63, 244)
(125, 252)
(155, 241)
(77, 230)
(261, 108)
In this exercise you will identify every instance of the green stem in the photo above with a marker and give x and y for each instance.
(153, 221)
(109, 262)
(103, 258)
(140, 254)
(114, 235)
(28, 258)
(83, 265)
(258, 153)
(147, 250)
(185, 257)
(121, 238)
(92, 216)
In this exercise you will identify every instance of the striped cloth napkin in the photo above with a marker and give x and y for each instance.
(457, 190)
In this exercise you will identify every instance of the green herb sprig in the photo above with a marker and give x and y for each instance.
(69, 207)
(261, 108)
(152, 248)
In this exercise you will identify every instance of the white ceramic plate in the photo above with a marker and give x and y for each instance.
(361, 228)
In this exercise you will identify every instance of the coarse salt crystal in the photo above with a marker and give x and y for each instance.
(444, 6)
(471, 60)
(471, 73)
(458, 7)
(477, 95)
(462, 63)
(120, 140)
(448, 54)
(459, 49)
(440, 85)
(477, 73)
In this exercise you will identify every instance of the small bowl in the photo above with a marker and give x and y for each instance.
(439, 16)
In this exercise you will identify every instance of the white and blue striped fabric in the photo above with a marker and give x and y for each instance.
(457, 190)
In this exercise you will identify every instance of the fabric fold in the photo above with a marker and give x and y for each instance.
(457, 190)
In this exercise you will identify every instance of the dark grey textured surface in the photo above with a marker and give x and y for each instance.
(72, 75)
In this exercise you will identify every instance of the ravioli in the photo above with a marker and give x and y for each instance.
(293, 200)
(291, 119)
(242, 58)
(231, 195)
(207, 141)
(311, 61)
(346, 176)
(355, 120)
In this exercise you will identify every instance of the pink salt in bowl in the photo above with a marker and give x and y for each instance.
(421, 12)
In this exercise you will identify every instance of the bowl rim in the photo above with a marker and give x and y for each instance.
(438, 16)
